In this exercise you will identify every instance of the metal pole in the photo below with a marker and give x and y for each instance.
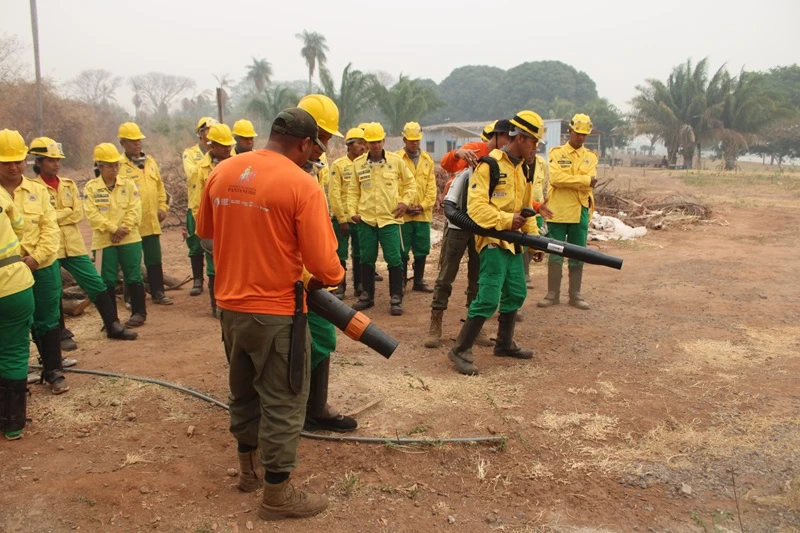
(39, 110)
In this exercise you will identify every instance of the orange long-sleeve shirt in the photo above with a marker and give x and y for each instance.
(454, 165)
(268, 218)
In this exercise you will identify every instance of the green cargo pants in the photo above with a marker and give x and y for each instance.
(572, 233)
(323, 338)
(82, 269)
(454, 244)
(16, 319)
(151, 250)
(263, 409)
(416, 239)
(345, 240)
(128, 257)
(192, 240)
(47, 299)
(389, 239)
(502, 281)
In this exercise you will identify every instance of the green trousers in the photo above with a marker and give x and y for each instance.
(323, 338)
(389, 239)
(16, 319)
(82, 269)
(416, 239)
(128, 257)
(192, 240)
(345, 240)
(264, 410)
(572, 233)
(502, 281)
(454, 244)
(47, 299)
(151, 249)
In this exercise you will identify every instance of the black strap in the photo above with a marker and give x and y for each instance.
(10, 260)
(494, 172)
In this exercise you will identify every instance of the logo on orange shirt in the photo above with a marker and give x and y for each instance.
(247, 177)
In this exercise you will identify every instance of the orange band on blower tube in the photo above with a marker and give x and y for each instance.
(357, 325)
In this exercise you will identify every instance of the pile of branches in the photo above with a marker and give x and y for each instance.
(175, 184)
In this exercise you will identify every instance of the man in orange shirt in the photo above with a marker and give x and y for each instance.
(455, 161)
(268, 219)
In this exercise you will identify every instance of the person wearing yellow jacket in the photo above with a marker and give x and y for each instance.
(417, 220)
(341, 176)
(40, 242)
(16, 295)
(143, 170)
(114, 211)
(573, 176)
(537, 165)
(245, 136)
(191, 158)
(501, 280)
(72, 255)
(383, 189)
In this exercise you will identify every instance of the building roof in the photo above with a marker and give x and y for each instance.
(464, 129)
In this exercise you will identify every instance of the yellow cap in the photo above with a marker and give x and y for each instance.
(221, 134)
(12, 147)
(130, 131)
(530, 123)
(106, 153)
(324, 111)
(244, 128)
(46, 147)
(374, 132)
(354, 134)
(205, 122)
(581, 123)
(412, 131)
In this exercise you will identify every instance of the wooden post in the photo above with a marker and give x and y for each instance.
(219, 104)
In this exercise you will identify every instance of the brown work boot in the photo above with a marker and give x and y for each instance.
(250, 478)
(435, 331)
(575, 278)
(284, 500)
(554, 271)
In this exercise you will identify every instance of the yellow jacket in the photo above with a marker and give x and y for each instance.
(108, 210)
(192, 157)
(379, 188)
(42, 237)
(151, 192)
(17, 276)
(323, 175)
(538, 179)
(425, 180)
(69, 211)
(571, 173)
(512, 193)
(342, 172)
(198, 181)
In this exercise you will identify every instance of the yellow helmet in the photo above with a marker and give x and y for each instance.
(12, 147)
(130, 131)
(244, 128)
(488, 130)
(106, 153)
(363, 125)
(412, 131)
(581, 123)
(46, 147)
(221, 134)
(374, 132)
(324, 111)
(206, 122)
(354, 134)
(530, 123)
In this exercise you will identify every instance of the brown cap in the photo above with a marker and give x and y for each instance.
(297, 123)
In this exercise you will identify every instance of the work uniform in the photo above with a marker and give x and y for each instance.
(16, 317)
(341, 177)
(191, 159)
(201, 173)
(147, 178)
(416, 229)
(268, 218)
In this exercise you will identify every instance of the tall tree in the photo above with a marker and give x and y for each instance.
(356, 92)
(259, 73)
(10, 64)
(158, 91)
(407, 100)
(314, 52)
(264, 107)
(95, 87)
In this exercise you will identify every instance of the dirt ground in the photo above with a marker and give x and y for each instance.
(672, 405)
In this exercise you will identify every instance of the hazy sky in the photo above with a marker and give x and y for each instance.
(618, 43)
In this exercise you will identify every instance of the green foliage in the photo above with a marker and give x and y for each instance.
(259, 73)
(314, 52)
(779, 141)
(407, 100)
(467, 94)
(356, 91)
(785, 81)
(265, 106)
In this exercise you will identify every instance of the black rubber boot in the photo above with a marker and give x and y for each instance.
(367, 297)
(138, 306)
(357, 285)
(67, 337)
(342, 288)
(107, 307)
(155, 278)
(461, 353)
(13, 407)
(212, 298)
(419, 275)
(319, 415)
(52, 369)
(505, 345)
(396, 291)
(405, 275)
(197, 274)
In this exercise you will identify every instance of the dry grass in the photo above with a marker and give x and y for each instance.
(588, 426)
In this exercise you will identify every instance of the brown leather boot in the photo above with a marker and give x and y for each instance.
(250, 477)
(435, 331)
(284, 500)
(575, 278)
(554, 272)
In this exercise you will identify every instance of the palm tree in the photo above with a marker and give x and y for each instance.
(264, 107)
(355, 94)
(259, 73)
(314, 49)
(407, 100)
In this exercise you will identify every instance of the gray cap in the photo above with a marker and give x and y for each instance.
(297, 123)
